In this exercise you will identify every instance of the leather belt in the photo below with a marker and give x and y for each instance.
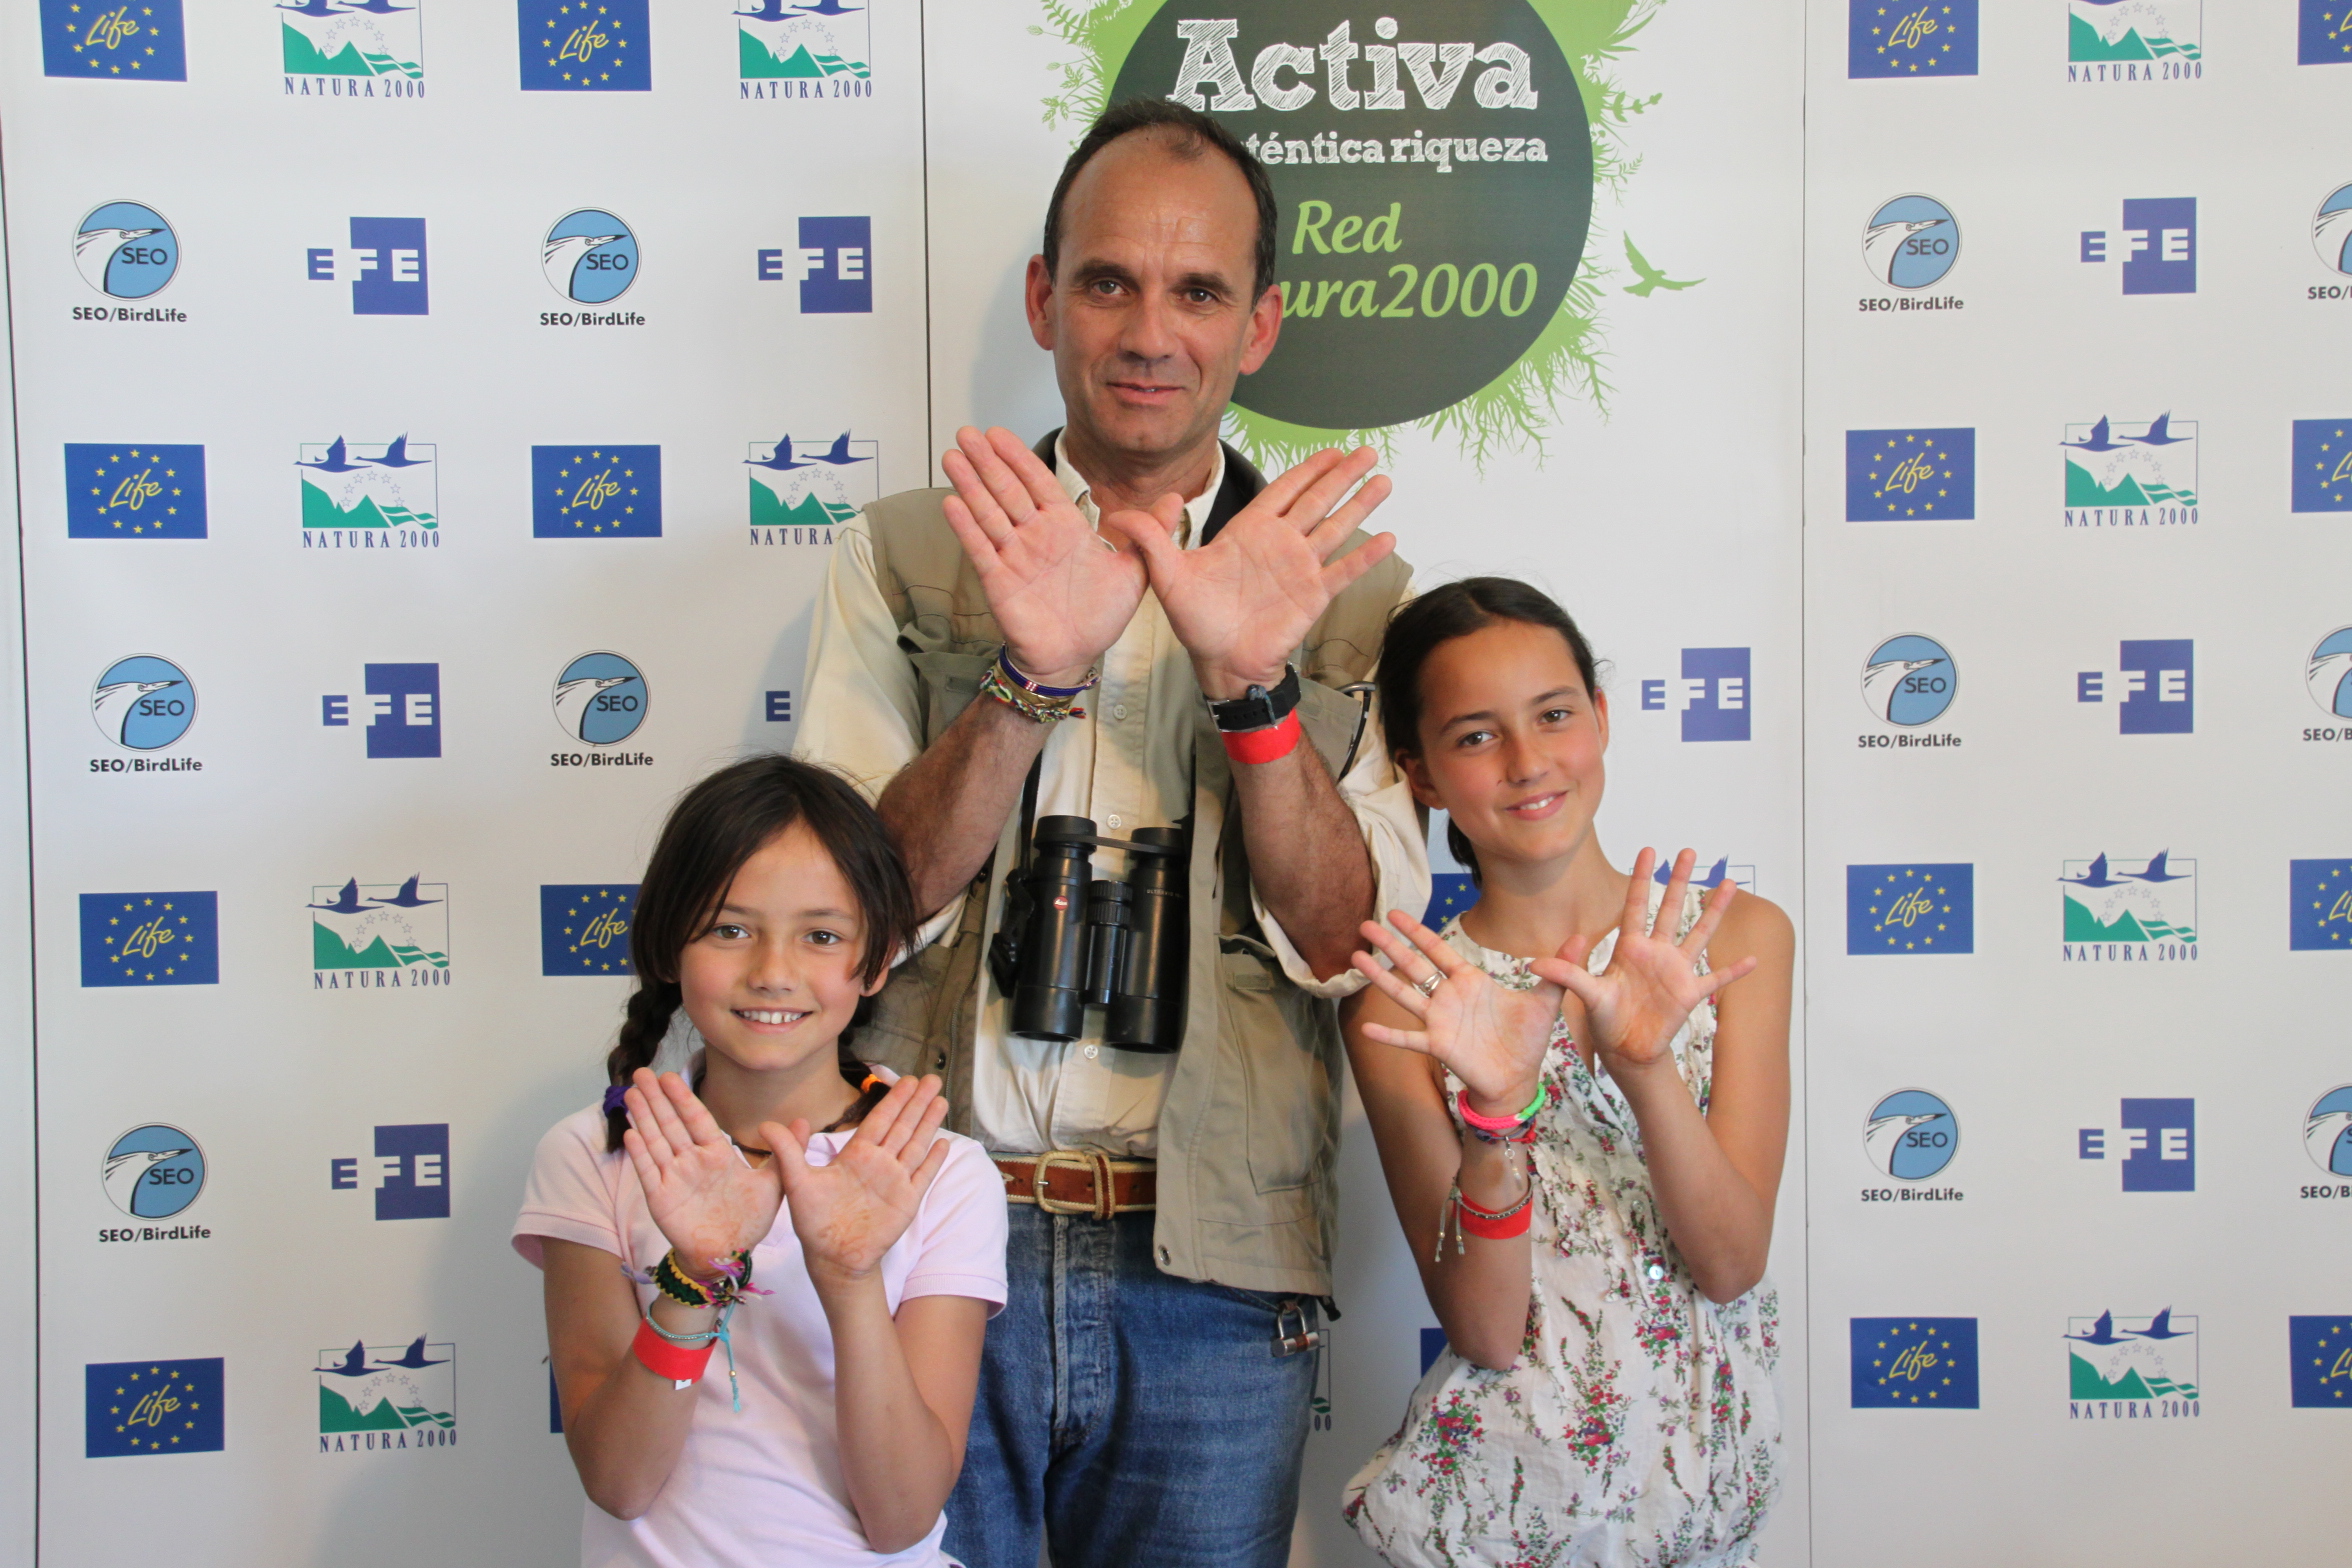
(1079, 1181)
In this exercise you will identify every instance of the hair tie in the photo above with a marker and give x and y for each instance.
(615, 1098)
(871, 1080)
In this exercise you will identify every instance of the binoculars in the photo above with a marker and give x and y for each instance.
(1069, 940)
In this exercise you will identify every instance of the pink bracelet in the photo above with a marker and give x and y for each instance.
(1502, 1124)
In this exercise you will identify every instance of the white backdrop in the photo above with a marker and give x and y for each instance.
(1702, 504)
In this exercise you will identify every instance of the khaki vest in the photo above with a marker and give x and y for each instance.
(1249, 1132)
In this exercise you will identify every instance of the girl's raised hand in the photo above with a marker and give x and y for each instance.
(849, 1212)
(1487, 1034)
(707, 1200)
(1638, 1003)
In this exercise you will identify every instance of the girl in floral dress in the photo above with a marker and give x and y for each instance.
(1580, 1094)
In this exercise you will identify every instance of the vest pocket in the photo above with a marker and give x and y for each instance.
(949, 683)
(1285, 1082)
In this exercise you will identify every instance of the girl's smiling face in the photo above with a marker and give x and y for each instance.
(1511, 742)
(772, 981)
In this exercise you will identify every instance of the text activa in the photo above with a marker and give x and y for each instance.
(1210, 76)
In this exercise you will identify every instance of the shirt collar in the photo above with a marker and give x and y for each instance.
(1196, 510)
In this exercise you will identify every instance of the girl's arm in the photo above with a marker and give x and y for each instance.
(902, 1393)
(1717, 1175)
(623, 1424)
(1480, 1290)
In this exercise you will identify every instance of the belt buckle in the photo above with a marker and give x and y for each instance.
(1099, 1164)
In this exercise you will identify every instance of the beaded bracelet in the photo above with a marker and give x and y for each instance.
(733, 1283)
(1029, 704)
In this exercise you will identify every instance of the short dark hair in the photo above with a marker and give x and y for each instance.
(718, 825)
(1194, 132)
(1423, 625)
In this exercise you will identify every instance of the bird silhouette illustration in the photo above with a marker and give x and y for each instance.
(124, 1172)
(115, 704)
(1885, 1135)
(2096, 876)
(2097, 440)
(94, 251)
(337, 460)
(1883, 243)
(2102, 1332)
(406, 898)
(2160, 1327)
(354, 1362)
(828, 8)
(2325, 1136)
(396, 456)
(2160, 434)
(2157, 871)
(768, 11)
(781, 458)
(1882, 682)
(838, 452)
(318, 10)
(414, 1358)
(1715, 873)
(376, 7)
(572, 699)
(1651, 277)
(346, 902)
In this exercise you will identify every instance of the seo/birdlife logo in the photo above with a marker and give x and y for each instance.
(408, 1173)
(126, 250)
(1911, 1135)
(1910, 243)
(2155, 246)
(590, 257)
(152, 1173)
(385, 265)
(2153, 686)
(399, 703)
(142, 703)
(600, 700)
(2154, 1143)
(1713, 694)
(1909, 681)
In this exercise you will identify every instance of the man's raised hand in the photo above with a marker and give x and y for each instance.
(1061, 592)
(1241, 603)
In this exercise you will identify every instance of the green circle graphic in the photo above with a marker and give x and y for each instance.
(1411, 282)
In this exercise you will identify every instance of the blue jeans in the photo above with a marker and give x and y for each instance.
(1126, 1417)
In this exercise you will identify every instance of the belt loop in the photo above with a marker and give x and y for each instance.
(1106, 1202)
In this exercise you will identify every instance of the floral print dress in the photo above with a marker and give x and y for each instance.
(1641, 1422)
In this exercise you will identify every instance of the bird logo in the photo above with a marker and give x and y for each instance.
(1911, 1135)
(125, 249)
(2327, 1131)
(153, 1172)
(600, 699)
(1651, 278)
(589, 256)
(2331, 230)
(2159, 433)
(143, 703)
(2327, 675)
(1909, 680)
(2098, 440)
(406, 898)
(1911, 242)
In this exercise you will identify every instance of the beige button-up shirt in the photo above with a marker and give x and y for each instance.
(1126, 765)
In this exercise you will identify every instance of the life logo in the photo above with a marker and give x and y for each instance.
(1909, 681)
(1911, 1135)
(1913, 1363)
(152, 1407)
(2155, 1144)
(379, 936)
(377, 495)
(140, 42)
(1916, 475)
(2132, 1368)
(401, 704)
(600, 699)
(1714, 694)
(801, 493)
(833, 263)
(385, 264)
(2135, 40)
(152, 1173)
(2321, 477)
(2128, 474)
(2323, 32)
(586, 46)
(1916, 909)
(376, 1399)
(596, 492)
(803, 49)
(142, 703)
(2319, 906)
(150, 939)
(584, 927)
(1911, 242)
(2153, 687)
(126, 250)
(589, 256)
(2113, 915)
(408, 1173)
(146, 490)
(1912, 39)
(2157, 245)
(352, 48)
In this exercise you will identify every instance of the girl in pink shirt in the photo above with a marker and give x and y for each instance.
(843, 1276)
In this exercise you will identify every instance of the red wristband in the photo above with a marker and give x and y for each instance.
(1270, 744)
(678, 1363)
(1494, 1227)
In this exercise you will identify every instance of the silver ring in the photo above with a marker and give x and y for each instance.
(1429, 986)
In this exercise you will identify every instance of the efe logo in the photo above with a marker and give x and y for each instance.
(1711, 695)
(384, 264)
(402, 704)
(2154, 687)
(409, 1173)
(2157, 1144)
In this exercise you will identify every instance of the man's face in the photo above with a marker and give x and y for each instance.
(1152, 317)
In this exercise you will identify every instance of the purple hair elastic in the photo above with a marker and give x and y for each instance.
(614, 1098)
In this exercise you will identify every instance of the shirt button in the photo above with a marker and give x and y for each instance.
(1118, 710)
(1093, 1051)
(1113, 820)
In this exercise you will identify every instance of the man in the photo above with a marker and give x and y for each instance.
(1137, 630)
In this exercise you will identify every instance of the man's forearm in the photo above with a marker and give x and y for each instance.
(1307, 856)
(946, 808)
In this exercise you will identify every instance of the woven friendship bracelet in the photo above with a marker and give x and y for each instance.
(1028, 704)
(1038, 688)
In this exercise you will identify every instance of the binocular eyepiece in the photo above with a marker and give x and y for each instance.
(1084, 941)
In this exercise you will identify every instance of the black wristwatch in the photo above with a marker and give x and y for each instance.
(1259, 708)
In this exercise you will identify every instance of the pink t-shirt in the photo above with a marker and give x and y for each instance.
(762, 1489)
